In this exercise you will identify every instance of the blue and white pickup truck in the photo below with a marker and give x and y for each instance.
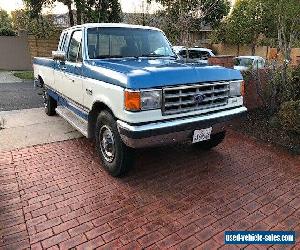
(124, 86)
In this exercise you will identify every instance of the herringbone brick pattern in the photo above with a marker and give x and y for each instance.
(57, 196)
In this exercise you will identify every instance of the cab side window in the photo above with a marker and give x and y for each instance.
(74, 51)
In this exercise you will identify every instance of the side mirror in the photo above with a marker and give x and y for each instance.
(59, 56)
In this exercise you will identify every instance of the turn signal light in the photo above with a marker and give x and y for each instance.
(132, 100)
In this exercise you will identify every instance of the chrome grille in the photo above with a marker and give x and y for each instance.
(189, 97)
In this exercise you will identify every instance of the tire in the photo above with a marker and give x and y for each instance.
(214, 141)
(49, 104)
(116, 157)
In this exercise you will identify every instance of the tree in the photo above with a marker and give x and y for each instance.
(248, 22)
(5, 24)
(68, 3)
(39, 27)
(181, 17)
(227, 33)
(98, 11)
(276, 20)
(286, 15)
(35, 7)
(142, 15)
(86, 10)
(5, 20)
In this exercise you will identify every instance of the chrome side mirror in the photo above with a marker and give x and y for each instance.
(59, 56)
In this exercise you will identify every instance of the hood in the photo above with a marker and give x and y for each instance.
(150, 73)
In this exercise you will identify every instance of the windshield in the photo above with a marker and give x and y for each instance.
(246, 62)
(124, 42)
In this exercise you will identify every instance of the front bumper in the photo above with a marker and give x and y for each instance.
(179, 130)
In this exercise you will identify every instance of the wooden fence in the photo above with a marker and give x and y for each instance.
(42, 47)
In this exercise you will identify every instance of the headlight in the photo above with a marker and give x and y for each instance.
(150, 99)
(142, 100)
(237, 88)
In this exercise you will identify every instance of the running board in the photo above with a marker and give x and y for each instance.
(76, 121)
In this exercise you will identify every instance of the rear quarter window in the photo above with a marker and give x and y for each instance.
(63, 44)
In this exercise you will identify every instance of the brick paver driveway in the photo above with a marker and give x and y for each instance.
(57, 195)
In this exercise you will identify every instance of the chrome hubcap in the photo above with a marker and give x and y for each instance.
(107, 144)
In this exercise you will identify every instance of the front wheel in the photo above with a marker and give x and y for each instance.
(116, 157)
(214, 141)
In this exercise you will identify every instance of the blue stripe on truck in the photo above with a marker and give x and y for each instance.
(65, 103)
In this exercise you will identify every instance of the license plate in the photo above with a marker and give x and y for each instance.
(202, 135)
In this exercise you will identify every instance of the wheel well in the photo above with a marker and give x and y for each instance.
(93, 115)
(41, 81)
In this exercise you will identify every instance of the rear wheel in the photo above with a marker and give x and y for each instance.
(214, 141)
(116, 157)
(49, 104)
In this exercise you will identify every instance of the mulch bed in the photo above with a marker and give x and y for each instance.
(257, 124)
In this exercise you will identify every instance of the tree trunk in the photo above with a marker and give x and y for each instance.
(78, 16)
(253, 49)
(71, 16)
(238, 50)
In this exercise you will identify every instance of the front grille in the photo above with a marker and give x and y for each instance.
(194, 97)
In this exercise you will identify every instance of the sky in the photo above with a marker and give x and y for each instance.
(127, 6)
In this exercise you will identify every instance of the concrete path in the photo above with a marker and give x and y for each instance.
(29, 127)
(8, 77)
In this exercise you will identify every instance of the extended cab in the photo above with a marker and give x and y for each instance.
(124, 86)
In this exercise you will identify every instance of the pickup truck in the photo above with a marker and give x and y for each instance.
(123, 86)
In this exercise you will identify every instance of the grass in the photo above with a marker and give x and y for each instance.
(25, 75)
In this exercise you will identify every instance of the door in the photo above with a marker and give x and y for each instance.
(71, 86)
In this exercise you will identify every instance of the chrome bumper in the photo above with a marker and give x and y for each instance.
(179, 130)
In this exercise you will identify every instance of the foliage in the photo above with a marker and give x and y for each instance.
(278, 99)
(40, 27)
(5, 31)
(181, 17)
(267, 22)
(98, 11)
(249, 23)
(289, 116)
(5, 20)
(35, 7)
(86, 10)
(286, 18)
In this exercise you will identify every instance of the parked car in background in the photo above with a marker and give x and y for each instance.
(196, 54)
(244, 63)
(123, 86)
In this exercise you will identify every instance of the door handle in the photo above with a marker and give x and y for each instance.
(89, 91)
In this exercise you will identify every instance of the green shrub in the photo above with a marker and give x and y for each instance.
(275, 85)
(289, 116)
(7, 32)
